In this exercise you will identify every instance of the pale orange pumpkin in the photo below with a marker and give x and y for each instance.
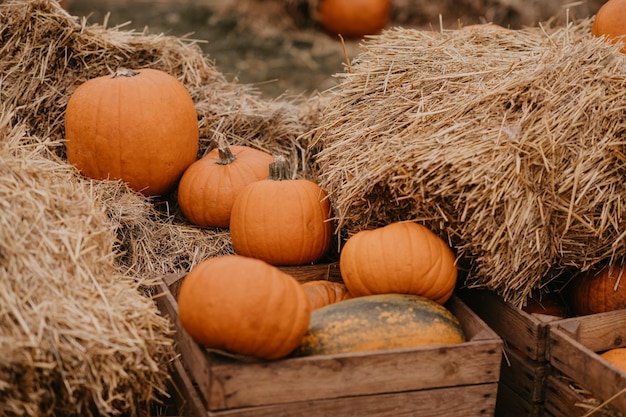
(354, 18)
(208, 188)
(598, 291)
(137, 126)
(321, 292)
(280, 220)
(401, 257)
(243, 306)
(610, 22)
(617, 357)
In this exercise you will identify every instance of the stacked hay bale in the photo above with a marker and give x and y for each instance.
(509, 144)
(81, 335)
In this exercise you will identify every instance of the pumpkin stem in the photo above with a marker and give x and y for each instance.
(125, 72)
(225, 154)
(278, 169)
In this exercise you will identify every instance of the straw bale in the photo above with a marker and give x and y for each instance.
(508, 143)
(77, 336)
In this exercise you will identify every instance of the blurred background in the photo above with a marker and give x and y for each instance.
(279, 46)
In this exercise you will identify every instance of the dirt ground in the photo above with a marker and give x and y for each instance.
(277, 46)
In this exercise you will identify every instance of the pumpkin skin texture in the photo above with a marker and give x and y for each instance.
(137, 126)
(610, 21)
(281, 221)
(243, 306)
(208, 188)
(616, 357)
(353, 18)
(402, 257)
(598, 291)
(322, 293)
(377, 322)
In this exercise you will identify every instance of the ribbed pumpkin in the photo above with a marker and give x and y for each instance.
(401, 257)
(610, 22)
(137, 126)
(208, 188)
(376, 322)
(598, 291)
(322, 293)
(353, 18)
(280, 220)
(243, 306)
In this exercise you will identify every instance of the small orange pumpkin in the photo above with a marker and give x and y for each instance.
(208, 188)
(354, 18)
(322, 293)
(243, 306)
(598, 291)
(549, 303)
(616, 356)
(402, 257)
(281, 221)
(610, 22)
(137, 126)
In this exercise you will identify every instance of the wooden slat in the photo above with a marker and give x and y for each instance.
(466, 401)
(510, 404)
(524, 376)
(563, 399)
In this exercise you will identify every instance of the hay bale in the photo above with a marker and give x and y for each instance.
(78, 336)
(509, 144)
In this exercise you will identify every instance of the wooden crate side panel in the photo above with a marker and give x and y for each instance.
(524, 376)
(597, 332)
(510, 404)
(467, 401)
(354, 374)
(586, 367)
(526, 332)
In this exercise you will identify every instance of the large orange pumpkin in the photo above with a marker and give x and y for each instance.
(598, 291)
(354, 18)
(208, 188)
(137, 126)
(243, 306)
(322, 293)
(610, 22)
(402, 257)
(280, 220)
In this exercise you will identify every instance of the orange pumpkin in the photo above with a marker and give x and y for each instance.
(598, 291)
(610, 21)
(322, 293)
(208, 188)
(281, 221)
(243, 306)
(353, 18)
(137, 126)
(616, 356)
(402, 257)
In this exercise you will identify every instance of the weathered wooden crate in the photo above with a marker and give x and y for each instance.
(566, 398)
(525, 362)
(574, 347)
(459, 380)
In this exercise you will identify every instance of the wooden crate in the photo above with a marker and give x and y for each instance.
(427, 381)
(573, 347)
(525, 363)
(566, 398)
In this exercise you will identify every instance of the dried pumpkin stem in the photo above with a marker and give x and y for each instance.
(125, 72)
(278, 169)
(226, 156)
